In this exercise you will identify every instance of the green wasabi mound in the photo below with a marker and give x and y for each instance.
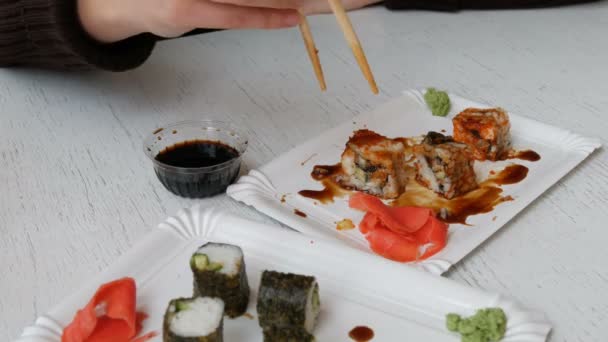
(487, 325)
(437, 101)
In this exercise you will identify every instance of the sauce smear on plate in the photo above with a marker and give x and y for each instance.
(481, 200)
(331, 189)
(299, 213)
(528, 155)
(361, 334)
(456, 210)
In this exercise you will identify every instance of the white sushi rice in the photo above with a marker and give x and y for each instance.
(202, 318)
(427, 173)
(229, 256)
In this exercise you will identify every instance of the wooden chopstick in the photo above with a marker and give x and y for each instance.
(353, 41)
(312, 51)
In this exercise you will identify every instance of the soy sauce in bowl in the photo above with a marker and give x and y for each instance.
(196, 159)
(197, 153)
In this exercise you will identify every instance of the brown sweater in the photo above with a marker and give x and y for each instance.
(47, 33)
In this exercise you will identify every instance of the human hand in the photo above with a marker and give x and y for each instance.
(322, 6)
(113, 20)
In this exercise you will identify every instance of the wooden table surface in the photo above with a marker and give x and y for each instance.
(76, 190)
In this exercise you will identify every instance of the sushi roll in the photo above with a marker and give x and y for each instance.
(219, 271)
(199, 319)
(444, 166)
(486, 131)
(373, 164)
(275, 334)
(288, 306)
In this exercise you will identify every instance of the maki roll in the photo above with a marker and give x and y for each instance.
(486, 131)
(199, 319)
(275, 334)
(219, 271)
(373, 164)
(444, 166)
(288, 306)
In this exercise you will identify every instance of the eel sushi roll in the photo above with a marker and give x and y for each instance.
(219, 271)
(486, 131)
(444, 166)
(288, 306)
(373, 164)
(198, 319)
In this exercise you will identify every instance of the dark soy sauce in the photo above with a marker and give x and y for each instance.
(361, 334)
(187, 179)
(300, 213)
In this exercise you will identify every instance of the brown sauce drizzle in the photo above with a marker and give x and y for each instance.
(320, 172)
(331, 189)
(512, 174)
(361, 334)
(528, 155)
(479, 201)
(300, 213)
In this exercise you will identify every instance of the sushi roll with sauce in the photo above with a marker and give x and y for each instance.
(199, 319)
(373, 164)
(288, 306)
(444, 166)
(486, 131)
(219, 271)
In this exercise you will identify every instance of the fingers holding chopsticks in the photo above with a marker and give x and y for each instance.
(322, 6)
(172, 18)
(339, 11)
(281, 4)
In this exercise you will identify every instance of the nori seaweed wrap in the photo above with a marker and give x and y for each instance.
(288, 306)
(199, 319)
(219, 271)
(275, 334)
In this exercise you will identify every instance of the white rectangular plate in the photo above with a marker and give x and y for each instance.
(408, 115)
(356, 288)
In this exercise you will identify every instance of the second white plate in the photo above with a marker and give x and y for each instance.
(356, 289)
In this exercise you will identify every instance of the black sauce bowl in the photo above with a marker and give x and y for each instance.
(196, 182)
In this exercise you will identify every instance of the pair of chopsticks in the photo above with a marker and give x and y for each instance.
(351, 38)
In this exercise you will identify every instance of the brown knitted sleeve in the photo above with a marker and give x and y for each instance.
(47, 33)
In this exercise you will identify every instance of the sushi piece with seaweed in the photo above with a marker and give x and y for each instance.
(288, 306)
(199, 319)
(275, 334)
(219, 271)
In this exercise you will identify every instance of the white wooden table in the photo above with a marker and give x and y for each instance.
(76, 189)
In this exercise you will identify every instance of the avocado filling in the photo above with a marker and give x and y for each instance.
(201, 262)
